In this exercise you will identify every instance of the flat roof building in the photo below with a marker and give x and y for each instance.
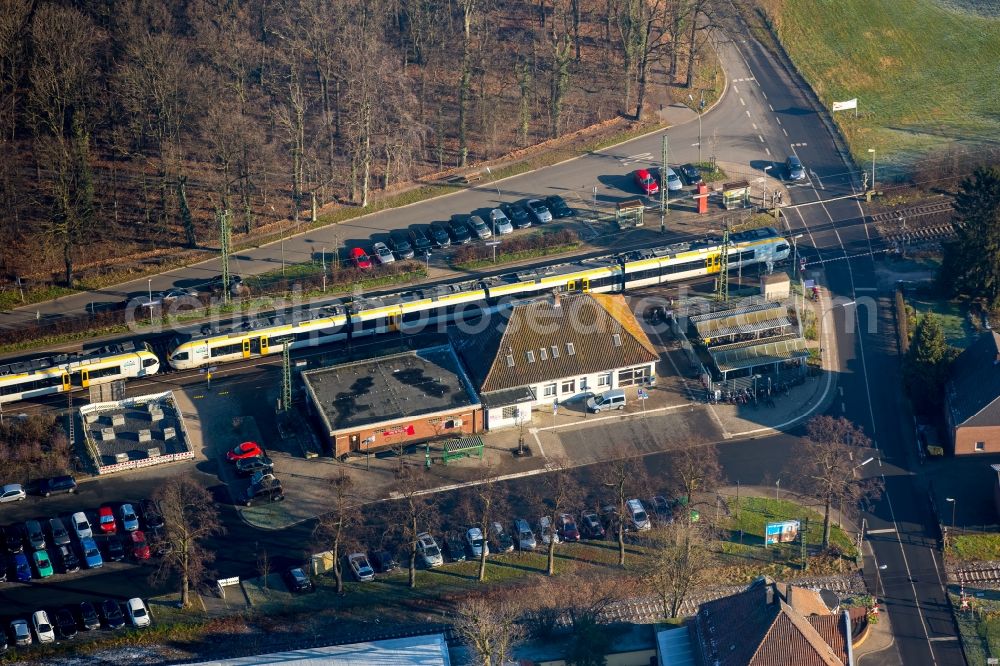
(391, 400)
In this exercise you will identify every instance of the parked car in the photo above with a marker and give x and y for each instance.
(539, 212)
(567, 528)
(43, 565)
(106, 522)
(501, 223)
(383, 254)
(140, 547)
(13, 538)
(590, 526)
(43, 627)
(57, 485)
(637, 515)
(558, 206)
(244, 450)
(420, 241)
(296, 580)
(88, 616)
(60, 536)
(268, 488)
(546, 531)
(235, 284)
(610, 519)
(91, 555)
(440, 234)
(480, 228)
(22, 570)
(454, 547)
(250, 466)
(502, 542)
(20, 633)
(137, 612)
(661, 507)
(114, 549)
(36, 538)
(158, 544)
(690, 173)
(383, 561)
(794, 168)
(360, 258)
(428, 550)
(360, 567)
(64, 622)
(646, 182)
(111, 614)
(12, 492)
(70, 562)
(130, 521)
(81, 526)
(477, 544)
(399, 241)
(674, 183)
(151, 515)
(517, 214)
(459, 230)
(523, 536)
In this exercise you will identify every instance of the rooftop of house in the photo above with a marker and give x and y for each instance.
(975, 383)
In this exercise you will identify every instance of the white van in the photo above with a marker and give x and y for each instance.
(608, 400)
(637, 515)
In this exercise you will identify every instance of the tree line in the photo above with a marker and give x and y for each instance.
(124, 127)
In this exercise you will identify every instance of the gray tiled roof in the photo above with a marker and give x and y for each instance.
(545, 340)
(975, 383)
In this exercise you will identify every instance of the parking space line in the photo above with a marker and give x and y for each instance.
(534, 433)
(627, 415)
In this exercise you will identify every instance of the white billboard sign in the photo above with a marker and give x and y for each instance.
(843, 106)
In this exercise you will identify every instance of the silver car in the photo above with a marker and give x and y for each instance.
(547, 531)
(360, 567)
(500, 223)
(428, 549)
(539, 211)
(482, 230)
(523, 536)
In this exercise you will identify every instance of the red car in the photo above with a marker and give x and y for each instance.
(646, 182)
(244, 450)
(567, 528)
(140, 548)
(360, 258)
(106, 520)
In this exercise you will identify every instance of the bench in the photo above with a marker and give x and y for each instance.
(462, 448)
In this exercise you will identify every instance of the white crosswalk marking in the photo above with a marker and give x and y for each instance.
(634, 159)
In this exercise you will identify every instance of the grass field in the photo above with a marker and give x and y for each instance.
(755, 512)
(952, 315)
(975, 547)
(924, 74)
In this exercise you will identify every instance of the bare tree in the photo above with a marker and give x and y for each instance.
(490, 625)
(491, 496)
(695, 469)
(264, 566)
(189, 516)
(624, 476)
(827, 466)
(561, 491)
(415, 514)
(334, 528)
(677, 560)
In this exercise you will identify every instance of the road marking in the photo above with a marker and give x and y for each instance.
(777, 119)
(764, 94)
(754, 126)
(770, 107)
(816, 178)
(887, 530)
(842, 408)
(785, 131)
(742, 102)
(735, 87)
(534, 433)
(768, 152)
(941, 639)
(633, 159)
(748, 112)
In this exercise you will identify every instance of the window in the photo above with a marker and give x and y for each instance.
(980, 446)
(510, 360)
(604, 380)
(549, 391)
(616, 339)
(543, 354)
(510, 413)
(570, 349)
(633, 376)
(531, 356)
(569, 386)
(555, 351)
(148, 362)
(583, 383)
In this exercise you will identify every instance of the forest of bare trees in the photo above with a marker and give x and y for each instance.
(125, 126)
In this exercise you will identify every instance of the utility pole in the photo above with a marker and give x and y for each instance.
(323, 257)
(722, 281)
(286, 374)
(663, 186)
(225, 239)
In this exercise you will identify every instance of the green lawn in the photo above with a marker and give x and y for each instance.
(924, 74)
(975, 547)
(756, 512)
(952, 315)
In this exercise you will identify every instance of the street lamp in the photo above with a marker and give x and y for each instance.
(766, 169)
(700, 107)
(954, 503)
(798, 270)
(494, 185)
(323, 257)
(872, 151)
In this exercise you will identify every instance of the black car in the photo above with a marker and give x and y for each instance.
(298, 581)
(383, 561)
(70, 562)
(235, 283)
(794, 168)
(690, 173)
(88, 616)
(439, 234)
(111, 614)
(399, 241)
(459, 230)
(454, 547)
(35, 535)
(13, 537)
(57, 485)
(558, 206)
(114, 549)
(517, 214)
(590, 526)
(247, 466)
(267, 489)
(64, 622)
(420, 242)
(151, 515)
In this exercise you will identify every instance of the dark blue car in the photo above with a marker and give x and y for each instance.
(22, 568)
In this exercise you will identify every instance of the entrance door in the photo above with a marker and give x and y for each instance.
(586, 285)
(263, 345)
(246, 348)
(571, 285)
(392, 323)
(65, 382)
(84, 378)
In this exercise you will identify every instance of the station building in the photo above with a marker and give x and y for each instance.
(393, 400)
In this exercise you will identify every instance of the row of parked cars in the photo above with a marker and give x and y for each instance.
(36, 549)
(461, 229)
(650, 180)
(250, 460)
(56, 485)
(67, 621)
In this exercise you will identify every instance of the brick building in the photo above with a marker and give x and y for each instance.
(972, 398)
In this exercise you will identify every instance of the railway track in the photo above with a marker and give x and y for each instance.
(921, 210)
(986, 576)
(924, 224)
